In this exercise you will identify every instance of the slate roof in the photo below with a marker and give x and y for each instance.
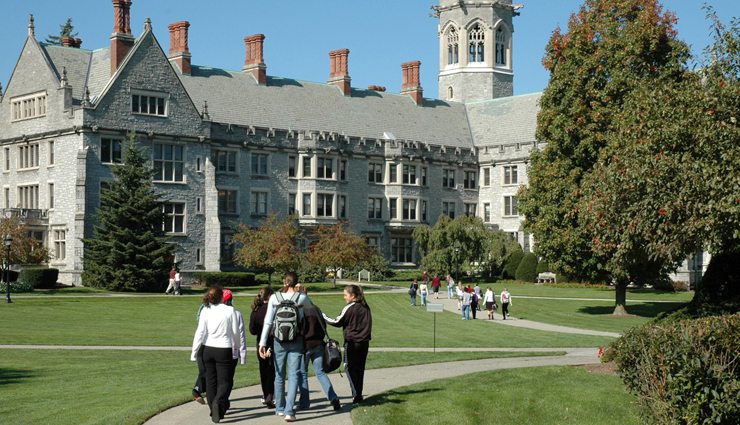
(76, 61)
(236, 98)
(504, 120)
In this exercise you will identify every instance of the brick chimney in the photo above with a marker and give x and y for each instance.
(339, 70)
(179, 53)
(411, 84)
(254, 61)
(121, 41)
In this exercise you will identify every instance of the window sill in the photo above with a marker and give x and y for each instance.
(176, 234)
(28, 169)
(169, 182)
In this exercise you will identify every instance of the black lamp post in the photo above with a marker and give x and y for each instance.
(8, 241)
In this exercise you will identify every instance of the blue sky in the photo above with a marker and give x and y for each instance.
(381, 34)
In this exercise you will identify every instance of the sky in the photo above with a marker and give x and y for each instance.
(381, 34)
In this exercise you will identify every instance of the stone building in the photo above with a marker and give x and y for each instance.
(229, 147)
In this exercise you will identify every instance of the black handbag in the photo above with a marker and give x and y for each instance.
(332, 352)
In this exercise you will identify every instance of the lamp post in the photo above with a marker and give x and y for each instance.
(8, 241)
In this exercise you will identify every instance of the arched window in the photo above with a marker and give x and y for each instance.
(452, 49)
(476, 43)
(450, 93)
(501, 46)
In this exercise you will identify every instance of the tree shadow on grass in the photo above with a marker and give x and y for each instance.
(643, 309)
(398, 396)
(15, 376)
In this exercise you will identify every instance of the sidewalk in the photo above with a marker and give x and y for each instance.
(246, 406)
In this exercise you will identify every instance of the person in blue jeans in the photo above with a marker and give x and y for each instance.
(466, 299)
(314, 332)
(412, 292)
(287, 354)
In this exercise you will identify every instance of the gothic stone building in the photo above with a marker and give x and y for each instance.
(229, 147)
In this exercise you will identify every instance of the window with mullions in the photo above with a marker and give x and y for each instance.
(306, 204)
(28, 197)
(469, 180)
(149, 104)
(511, 174)
(501, 47)
(448, 209)
(487, 212)
(476, 43)
(174, 217)
(393, 204)
(409, 174)
(28, 156)
(375, 173)
(292, 161)
(110, 151)
(448, 178)
(227, 201)
(168, 163)
(511, 207)
(402, 250)
(60, 244)
(26, 107)
(259, 164)
(393, 173)
(409, 209)
(291, 204)
(452, 47)
(306, 166)
(226, 161)
(324, 205)
(375, 208)
(343, 169)
(486, 176)
(258, 203)
(324, 168)
(470, 209)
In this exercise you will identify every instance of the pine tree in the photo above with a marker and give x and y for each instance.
(65, 30)
(128, 250)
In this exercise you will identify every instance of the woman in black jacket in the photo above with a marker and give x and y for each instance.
(357, 322)
(267, 366)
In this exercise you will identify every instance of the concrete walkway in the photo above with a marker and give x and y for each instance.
(246, 406)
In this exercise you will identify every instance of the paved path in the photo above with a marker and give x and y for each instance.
(246, 407)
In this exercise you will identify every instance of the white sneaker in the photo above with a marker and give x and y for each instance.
(280, 413)
(289, 418)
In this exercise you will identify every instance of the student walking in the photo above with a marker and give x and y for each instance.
(218, 331)
(412, 292)
(424, 291)
(465, 303)
(288, 345)
(435, 286)
(266, 365)
(505, 303)
(171, 282)
(314, 332)
(489, 298)
(357, 321)
(450, 287)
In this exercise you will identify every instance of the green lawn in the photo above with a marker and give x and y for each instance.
(532, 396)
(127, 387)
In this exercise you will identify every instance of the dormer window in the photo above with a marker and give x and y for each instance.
(149, 104)
(476, 44)
(501, 47)
(452, 47)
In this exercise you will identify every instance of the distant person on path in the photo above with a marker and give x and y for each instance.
(450, 287)
(178, 282)
(412, 292)
(465, 299)
(357, 321)
(474, 304)
(459, 292)
(266, 365)
(435, 285)
(424, 291)
(171, 284)
(477, 291)
(425, 278)
(505, 302)
(218, 331)
(314, 332)
(489, 298)
(288, 352)
(239, 351)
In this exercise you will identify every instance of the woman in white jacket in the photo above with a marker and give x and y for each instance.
(490, 299)
(218, 332)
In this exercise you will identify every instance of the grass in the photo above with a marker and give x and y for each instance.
(127, 387)
(170, 321)
(532, 396)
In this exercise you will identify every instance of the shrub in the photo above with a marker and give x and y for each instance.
(527, 270)
(683, 372)
(406, 275)
(543, 266)
(512, 263)
(16, 287)
(225, 279)
(40, 277)
(308, 273)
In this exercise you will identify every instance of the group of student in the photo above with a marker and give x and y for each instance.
(290, 332)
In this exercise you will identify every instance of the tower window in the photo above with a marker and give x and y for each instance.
(452, 47)
(501, 47)
(450, 93)
(476, 39)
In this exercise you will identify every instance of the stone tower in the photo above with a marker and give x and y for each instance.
(475, 43)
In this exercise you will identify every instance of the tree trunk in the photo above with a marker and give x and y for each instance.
(621, 298)
(269, 279)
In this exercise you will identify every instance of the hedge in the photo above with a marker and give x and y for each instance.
(16, 287)
(39, 277)
(512, 263)
(225, 279)
(527, 270)
(683, 372)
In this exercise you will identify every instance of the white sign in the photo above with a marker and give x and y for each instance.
(435, 308)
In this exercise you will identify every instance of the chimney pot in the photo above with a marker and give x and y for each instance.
(254, 60)
(376, 88)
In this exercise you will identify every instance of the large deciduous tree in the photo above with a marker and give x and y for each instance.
(669, 181)
(336, 248)
(129, 250)
(611, 47)
(24, 249)
(271, 247)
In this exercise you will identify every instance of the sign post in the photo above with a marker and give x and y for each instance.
(435, 308)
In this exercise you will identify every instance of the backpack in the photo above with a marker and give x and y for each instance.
(287, 324)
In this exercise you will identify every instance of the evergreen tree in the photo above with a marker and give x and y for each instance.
(65, 30)
(527, 270)
(512, 263)
(611, 47)
(129, 250)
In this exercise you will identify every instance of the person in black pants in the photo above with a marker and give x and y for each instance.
(218, 332)
(357, 321)
(267, 365)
